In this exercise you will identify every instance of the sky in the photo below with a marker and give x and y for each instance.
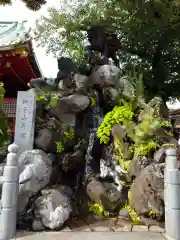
(48, 64)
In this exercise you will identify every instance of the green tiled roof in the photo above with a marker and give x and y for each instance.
(12, 33)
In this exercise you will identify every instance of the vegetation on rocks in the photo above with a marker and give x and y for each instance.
(105, 122)
(136, 128)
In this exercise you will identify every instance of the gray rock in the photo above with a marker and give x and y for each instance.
(76, 102)
(155, 108)
(109, 166)
(37, 225)
(52, 157)
(126, 88)
(104, 193)
(106, 75)
(82, 82)
(159, 156)
(68, 106)
(54, 208)
(147, 191)
(35, 172)
(37, 82)
(137, 164)
(111, 95)
(112, 171)
(47, 139)
(119, 131)
(42, 83)
(165, 137)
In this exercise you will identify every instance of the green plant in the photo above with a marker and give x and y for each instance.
(68, 133)
(33, 5)
(122, 114)
(53, 102)
(98, 210)
(145, 148)
(165, 123)
(119, 150)
(40, 98)
(60, 147)
(4, 128)
(2, 92)
(134, 89)
(41, 95)
(132, 213)
(131, 99)
(150, 31)
(39, 123)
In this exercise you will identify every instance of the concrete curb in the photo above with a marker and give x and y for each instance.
(88, 236)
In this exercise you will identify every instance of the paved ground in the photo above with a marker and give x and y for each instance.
(113, 228)
(95, 235)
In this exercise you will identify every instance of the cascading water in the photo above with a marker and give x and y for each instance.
(92, 120)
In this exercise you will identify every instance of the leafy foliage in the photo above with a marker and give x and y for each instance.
(148, 32)
(34, 5)
(119, 151)
(60, 147)
(144, 148)
(132, 213)
(98, 209)
(140, 131)
(4, 129)
(117, 115)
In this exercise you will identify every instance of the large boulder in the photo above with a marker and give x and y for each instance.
(111, 96)
(126, 88)
(105, 75)
(137, 164)
(68, 106)
(51, 140)
(46, 140)
(147, 191)
(54, 207)
(109, 166)
(159, 155)
(41, 83)
(119, 131)
(155, 108)
(104, 193)
(165, 138)
(82, 82)
(35, 168)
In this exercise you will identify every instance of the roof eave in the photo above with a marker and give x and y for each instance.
(13, 46)
(35, 57)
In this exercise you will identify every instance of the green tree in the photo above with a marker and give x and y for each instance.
(4, 128)
(31, 4)
(148, 31)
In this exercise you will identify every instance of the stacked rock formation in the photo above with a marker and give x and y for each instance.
(95, 133)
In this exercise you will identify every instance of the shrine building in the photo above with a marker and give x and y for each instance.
(18, 63)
